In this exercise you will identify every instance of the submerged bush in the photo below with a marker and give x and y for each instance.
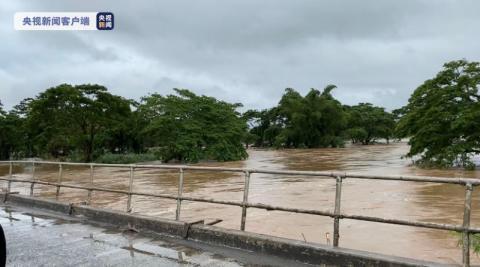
(474, 241)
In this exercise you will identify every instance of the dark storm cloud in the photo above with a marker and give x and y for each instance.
(243, 51)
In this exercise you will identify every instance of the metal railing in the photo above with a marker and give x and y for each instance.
(465, 228)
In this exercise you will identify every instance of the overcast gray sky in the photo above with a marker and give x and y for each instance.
(242, 51)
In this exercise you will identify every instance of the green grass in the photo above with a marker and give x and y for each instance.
(125, 158)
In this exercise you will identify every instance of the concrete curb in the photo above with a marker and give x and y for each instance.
(292, 249)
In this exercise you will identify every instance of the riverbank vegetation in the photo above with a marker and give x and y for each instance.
(442, 117)
(88, 123)
(318, 120)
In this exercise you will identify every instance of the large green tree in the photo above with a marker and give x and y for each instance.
(66, 119)
(442, 117)
(314, 120)
(12, 138)
(188, 127)
(366, 123)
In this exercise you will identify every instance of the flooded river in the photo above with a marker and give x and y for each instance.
(390, 199)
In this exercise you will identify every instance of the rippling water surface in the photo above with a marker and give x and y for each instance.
(390, 199)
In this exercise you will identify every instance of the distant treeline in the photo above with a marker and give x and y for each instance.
(88, 123)
(317, 120)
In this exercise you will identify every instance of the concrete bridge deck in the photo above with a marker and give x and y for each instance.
(42, 238)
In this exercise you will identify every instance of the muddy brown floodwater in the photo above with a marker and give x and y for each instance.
(390, 199)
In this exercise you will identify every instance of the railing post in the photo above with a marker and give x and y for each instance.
(10, 177)
(130, 188)
(245, 200)
(179, 195)
(466, 224)
(336, 220)
(33, 178)
(59, 181)
(89, 196)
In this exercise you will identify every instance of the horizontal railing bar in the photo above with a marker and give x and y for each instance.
(429, 225)
(439, 226)
(66, 185)
(278, 208)
(425, 179)
(431, 179)
(301, 173)
(213, 201)
(136, 166)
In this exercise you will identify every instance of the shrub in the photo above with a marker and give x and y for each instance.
(125, 158)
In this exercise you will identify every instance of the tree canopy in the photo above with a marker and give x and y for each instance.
(188, 127)
(67, 119)
(442, 117)
(366, 123)
(88, 123)
(12, 138)
(264, 126)
(314, 120)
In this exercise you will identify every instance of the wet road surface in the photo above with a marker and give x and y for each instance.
(36, 238)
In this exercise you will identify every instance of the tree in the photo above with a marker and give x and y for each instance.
(264, 126)
(366, 123)
(187, 127)
(125, 136)
(442, 117)
(66, 118)
(5, 139)
(316, 120)
(11, 135)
